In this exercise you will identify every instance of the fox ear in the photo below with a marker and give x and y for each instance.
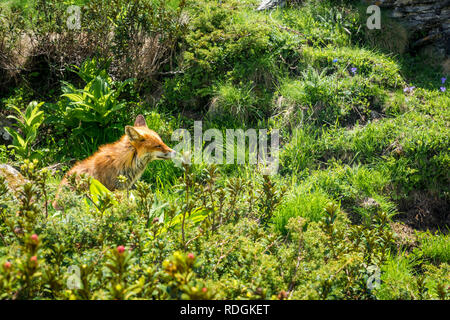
(140, 121)
(132, 133)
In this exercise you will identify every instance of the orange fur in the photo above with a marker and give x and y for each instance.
(128, 157)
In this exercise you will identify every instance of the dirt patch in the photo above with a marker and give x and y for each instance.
(406, 236)
(424, 211)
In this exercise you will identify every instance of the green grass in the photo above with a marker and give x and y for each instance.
(397, 279)
(436, 247)
(352, 138)
(301, 202)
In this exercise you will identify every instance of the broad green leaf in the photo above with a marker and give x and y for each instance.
(73, 97)
(96, 189)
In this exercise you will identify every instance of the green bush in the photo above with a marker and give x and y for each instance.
(28, 123)
(132, 249)
(94, 106)
(223, 48)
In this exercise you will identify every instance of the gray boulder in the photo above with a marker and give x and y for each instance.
(14, 179)
(270, 4)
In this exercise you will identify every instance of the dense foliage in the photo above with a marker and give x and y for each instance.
(358, 209)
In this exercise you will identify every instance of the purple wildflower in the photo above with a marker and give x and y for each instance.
(353, 70)
(335, 60)
(443, 79)
(409, 89)
(443, 89)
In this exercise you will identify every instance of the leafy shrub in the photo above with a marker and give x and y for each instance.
(140, 38)
(96, 104)
(28, 123)
(223, 48)
(90, 114)
(132, 249)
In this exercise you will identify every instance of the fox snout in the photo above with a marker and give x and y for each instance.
(163, 155)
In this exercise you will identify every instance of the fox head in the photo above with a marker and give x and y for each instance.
(147, 143)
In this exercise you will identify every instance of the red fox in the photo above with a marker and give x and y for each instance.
(128, 157)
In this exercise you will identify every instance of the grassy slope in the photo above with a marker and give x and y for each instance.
(352, 138)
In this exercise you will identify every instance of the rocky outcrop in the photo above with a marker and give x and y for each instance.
(424, 23)
(428, 21)
(13, 177)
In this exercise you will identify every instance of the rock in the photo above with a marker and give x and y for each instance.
(270, 4)
(424, 20)
(5, 138)
(397, 14)
(424, 41)
(419, 8)
(370, 203)
(14, 179)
